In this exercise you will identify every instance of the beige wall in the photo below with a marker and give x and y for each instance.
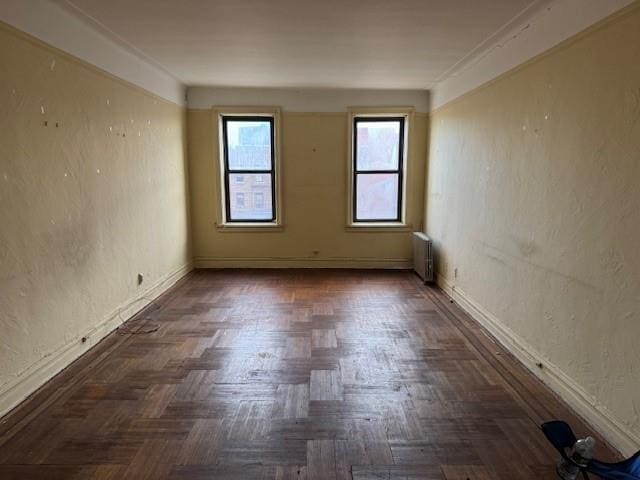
(84, 206)
(533, 203)
(534, 197)
(314, 200)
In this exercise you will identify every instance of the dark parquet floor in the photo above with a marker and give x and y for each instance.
(290, 374)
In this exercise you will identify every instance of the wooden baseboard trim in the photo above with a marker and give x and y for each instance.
(18, 390)
(301, 262)
(551, 375)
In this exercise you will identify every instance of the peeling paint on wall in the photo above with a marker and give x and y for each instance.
(547, 243)
(79, 220)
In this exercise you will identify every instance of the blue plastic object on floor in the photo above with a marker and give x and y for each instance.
(561, 436)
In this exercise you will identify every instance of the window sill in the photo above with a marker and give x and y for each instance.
(379, 227)
(249, 227)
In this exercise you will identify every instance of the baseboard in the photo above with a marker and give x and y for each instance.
(17, 390)
(586, 405)
(301, 262)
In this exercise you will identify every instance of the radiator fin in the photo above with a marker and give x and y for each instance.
(423, 256)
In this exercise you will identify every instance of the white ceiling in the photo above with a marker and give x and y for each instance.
(400, 44)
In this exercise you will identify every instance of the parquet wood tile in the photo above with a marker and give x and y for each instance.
(290, 374)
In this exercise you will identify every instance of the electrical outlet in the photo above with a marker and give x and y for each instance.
(455, 273)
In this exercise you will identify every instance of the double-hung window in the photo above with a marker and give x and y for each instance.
(377, 169)
(249, 168)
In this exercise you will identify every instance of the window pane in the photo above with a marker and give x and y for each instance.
(378, 144)
(251, 199)
(249, 144)
(377, 196)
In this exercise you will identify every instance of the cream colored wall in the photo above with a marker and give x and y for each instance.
(314, 191)
(534, 199)
(86, 202)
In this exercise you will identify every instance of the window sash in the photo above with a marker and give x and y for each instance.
(399, 171)
(228, 171)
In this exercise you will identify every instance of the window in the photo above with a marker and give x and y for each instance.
(378, 161)
(258, 200)
(249, 168)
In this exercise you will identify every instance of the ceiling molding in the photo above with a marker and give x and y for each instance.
(480, 49)
(331, 45)
(49, 22)
(306, 99)
(534, 30)
(548, 26)
(92, 22)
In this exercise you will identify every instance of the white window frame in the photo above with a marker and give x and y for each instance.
(354, 112)
(221, 221)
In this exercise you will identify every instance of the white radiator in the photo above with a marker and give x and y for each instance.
(423, 256)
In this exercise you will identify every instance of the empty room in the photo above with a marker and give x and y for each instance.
(320, 240)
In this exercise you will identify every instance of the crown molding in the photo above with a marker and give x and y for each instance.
(306, 99)
(540, 30)
(57, 26)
